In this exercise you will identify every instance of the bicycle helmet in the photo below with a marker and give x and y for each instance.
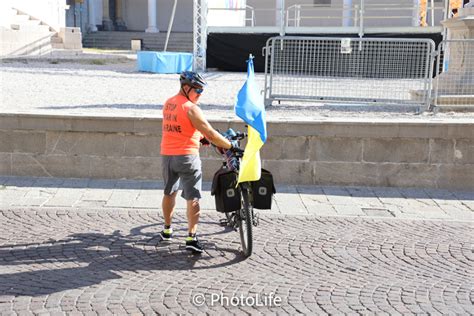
(192, 79)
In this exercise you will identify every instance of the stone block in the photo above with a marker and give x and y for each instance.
(396, 150)
(336, 149)
(21, 141)
(408, 175)
(125, 167)
(209, 167)
(8, 122)
(39, 122)
(50, 166)
(69, 45)
(277, 148)
(423, 130)
(112, 125)
(337, 129)
(456, 176)
(5, 164)
(290, 171)
(142, 146)
(461, 130)
(345, 173)
(72, 38)
(441, 151)
(464, 151)
(148, 125)
(96, 144)
(208, 152)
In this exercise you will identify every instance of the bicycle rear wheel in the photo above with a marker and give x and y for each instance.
(246, 223)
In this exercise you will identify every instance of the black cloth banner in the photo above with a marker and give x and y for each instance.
(229, 51)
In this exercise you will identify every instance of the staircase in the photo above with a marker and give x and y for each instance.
(25, 36)
(178, 42)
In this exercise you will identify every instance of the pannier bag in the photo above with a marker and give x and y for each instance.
(227, 193)
(263, 191)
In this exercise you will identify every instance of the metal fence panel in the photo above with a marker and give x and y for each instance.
(362, 70)
(454, 83)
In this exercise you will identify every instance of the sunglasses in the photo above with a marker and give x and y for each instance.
(199, 91)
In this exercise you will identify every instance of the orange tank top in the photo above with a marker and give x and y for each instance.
(179, 135)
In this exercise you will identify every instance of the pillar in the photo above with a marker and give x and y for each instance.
(106, 22)
(119, 10)
(152, 17)
(92, 26)
(347, 13)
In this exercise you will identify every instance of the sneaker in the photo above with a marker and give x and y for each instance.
(194, 245)
(166, 234)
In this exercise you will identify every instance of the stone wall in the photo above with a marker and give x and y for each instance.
(410, 153)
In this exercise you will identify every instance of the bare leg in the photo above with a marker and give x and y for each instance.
(193, 212)
(168, 203)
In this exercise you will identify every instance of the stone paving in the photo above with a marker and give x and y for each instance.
(82, 248)
(407, 203)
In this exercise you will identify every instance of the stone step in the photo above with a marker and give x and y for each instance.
(151, 41)
(18, 18)
(56, 40)
(127, 45)
(29, 22)
(30, 28)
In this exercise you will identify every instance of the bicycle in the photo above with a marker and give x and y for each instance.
(244, 218)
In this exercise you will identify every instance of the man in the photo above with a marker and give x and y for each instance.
(183, 128)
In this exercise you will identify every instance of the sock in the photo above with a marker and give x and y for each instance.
(191, 236)
(167, 226)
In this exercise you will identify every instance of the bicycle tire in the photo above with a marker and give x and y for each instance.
(246, 224)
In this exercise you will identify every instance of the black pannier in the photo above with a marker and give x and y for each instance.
(263, 191)
(227, 193)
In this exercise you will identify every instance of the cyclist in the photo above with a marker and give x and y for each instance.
(184, 129)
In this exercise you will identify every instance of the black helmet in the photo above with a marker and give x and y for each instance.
(192, 79)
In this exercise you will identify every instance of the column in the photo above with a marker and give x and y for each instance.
(119, 10)
(106, 22)
(280, 16)
(152, 17)
(92, 26)
(416, 13)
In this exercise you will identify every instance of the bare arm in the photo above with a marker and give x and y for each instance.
(201, 124)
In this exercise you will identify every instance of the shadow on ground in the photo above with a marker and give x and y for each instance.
(91, 258)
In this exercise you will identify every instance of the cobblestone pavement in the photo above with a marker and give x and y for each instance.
(84, 261)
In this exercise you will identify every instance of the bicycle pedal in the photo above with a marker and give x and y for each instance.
(223, 222)
(256, 219)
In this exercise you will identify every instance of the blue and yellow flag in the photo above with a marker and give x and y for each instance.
(250, 108)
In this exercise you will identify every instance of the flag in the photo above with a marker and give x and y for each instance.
(250, 108)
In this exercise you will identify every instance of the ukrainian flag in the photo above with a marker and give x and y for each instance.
(250, 108)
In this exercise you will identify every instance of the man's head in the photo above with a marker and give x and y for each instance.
(192, 85)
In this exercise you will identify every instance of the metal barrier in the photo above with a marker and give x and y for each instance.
(355, 70)
(454, 83)
(400, 13)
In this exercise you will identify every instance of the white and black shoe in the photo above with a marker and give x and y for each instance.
(193, 244)
(166, 234)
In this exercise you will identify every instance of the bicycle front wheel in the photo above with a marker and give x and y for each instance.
(246, 223)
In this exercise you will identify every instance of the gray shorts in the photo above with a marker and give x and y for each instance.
(186, 168)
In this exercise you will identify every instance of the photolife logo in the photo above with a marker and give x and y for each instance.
(219, 299)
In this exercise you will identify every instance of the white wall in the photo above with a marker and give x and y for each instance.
(52, 12)
(225, 17)
(136, 15)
